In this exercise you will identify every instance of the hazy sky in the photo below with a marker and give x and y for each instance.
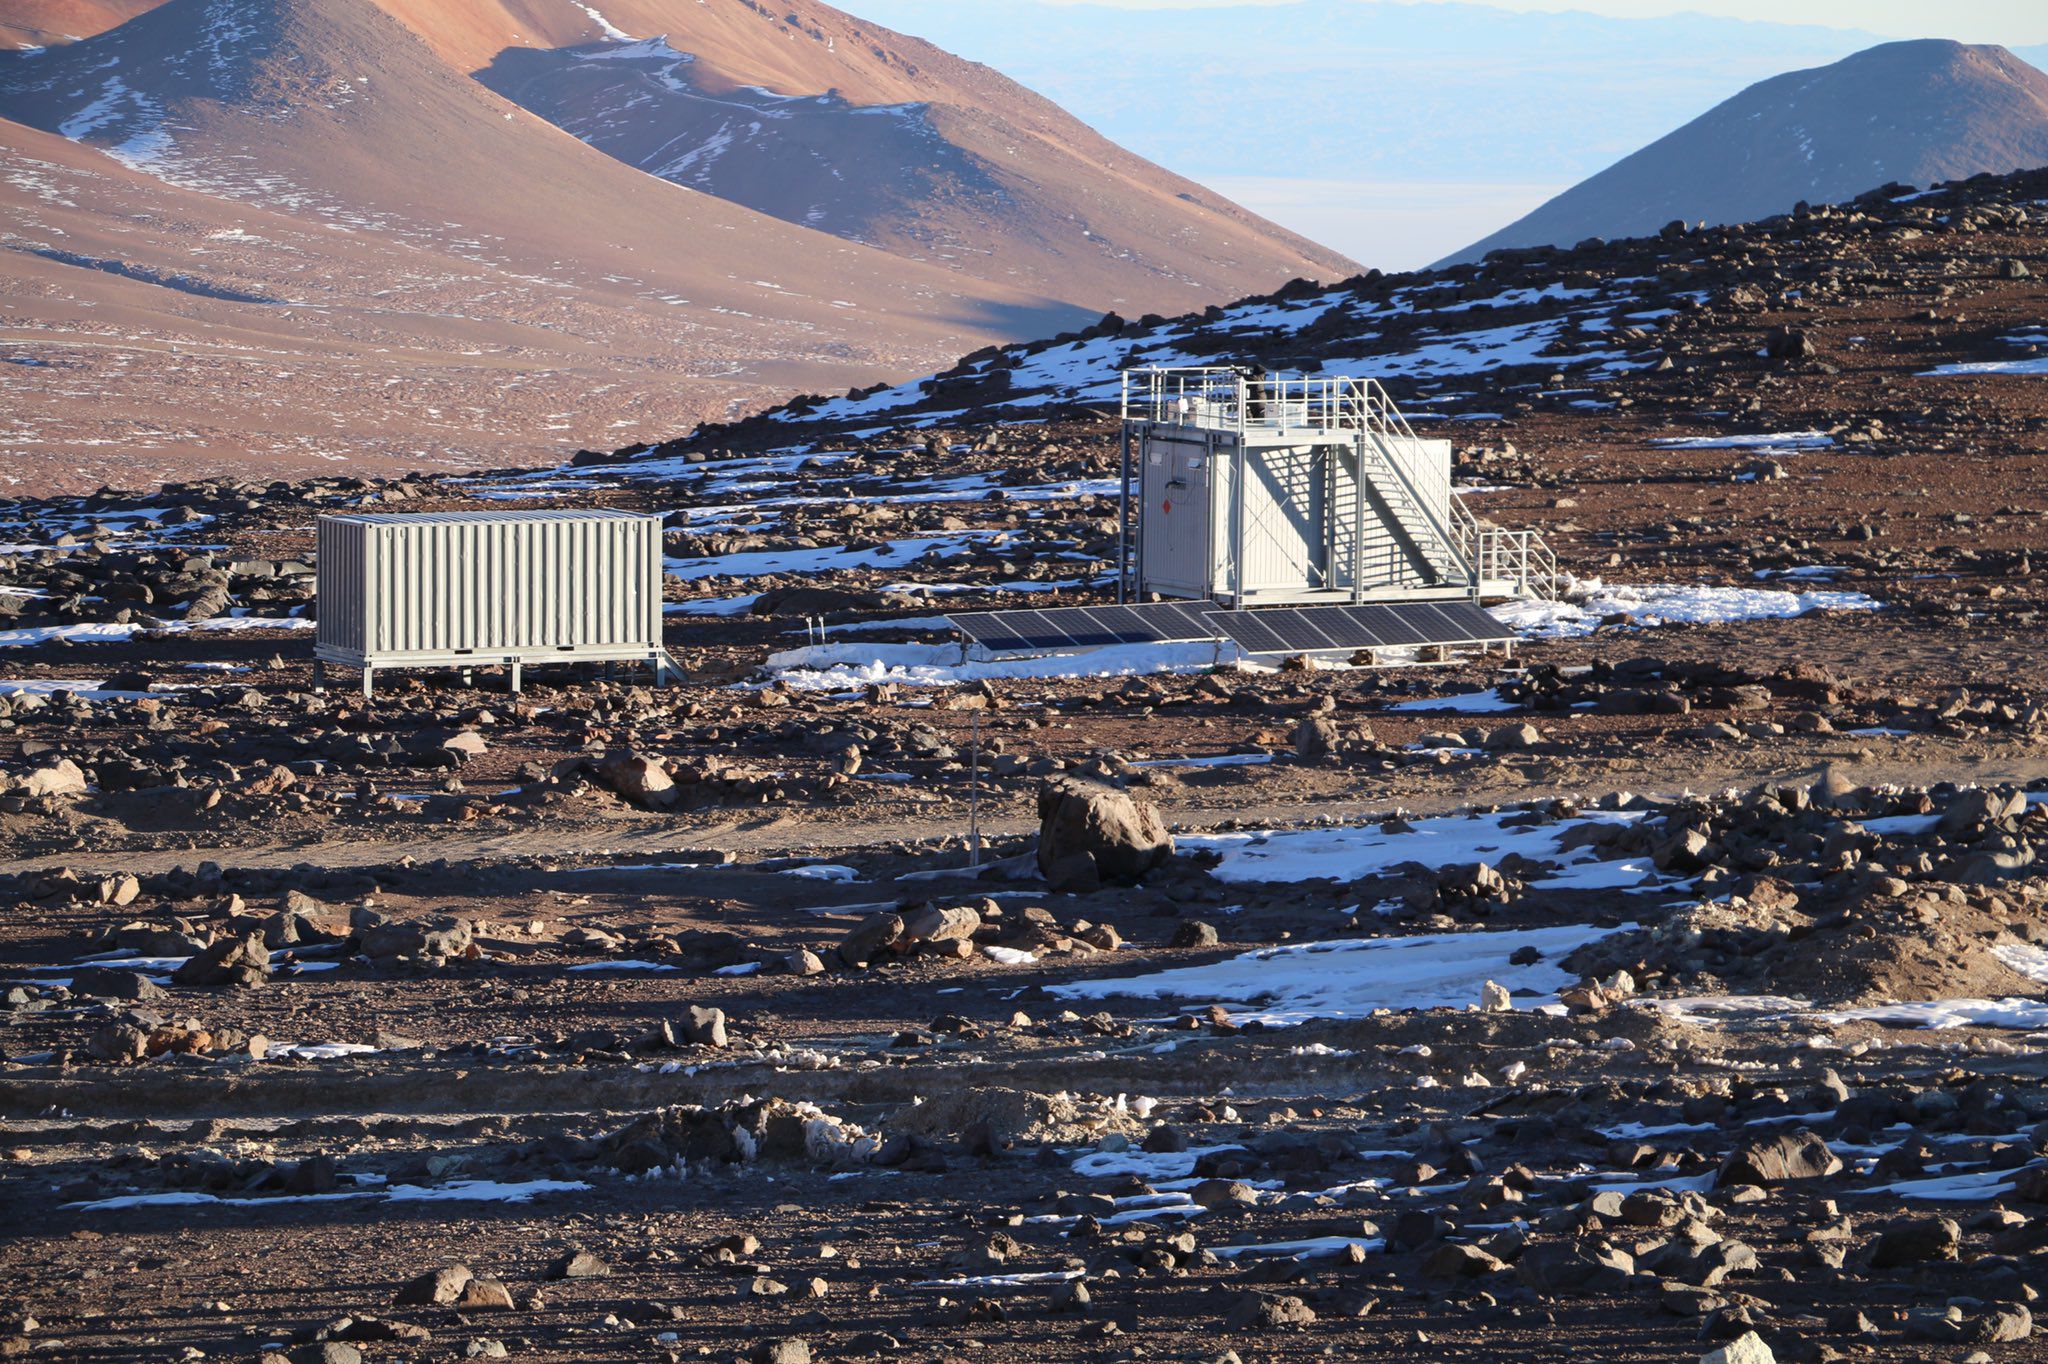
(1969, 21)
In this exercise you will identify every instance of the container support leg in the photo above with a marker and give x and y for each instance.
(369, 675)
(516, 678)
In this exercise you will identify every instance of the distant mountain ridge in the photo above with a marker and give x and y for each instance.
(1915, 113)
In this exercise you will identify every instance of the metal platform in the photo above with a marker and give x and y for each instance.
(1305, 630)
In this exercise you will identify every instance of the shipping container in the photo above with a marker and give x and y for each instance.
(477, 589)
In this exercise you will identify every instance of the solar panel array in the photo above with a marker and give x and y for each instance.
(1086, 627)
(1394, 625)
(1313, 629)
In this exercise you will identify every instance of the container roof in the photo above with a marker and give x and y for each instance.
(478, 517)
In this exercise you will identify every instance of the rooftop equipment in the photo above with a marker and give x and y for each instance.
(483, 589)
(1258, 490)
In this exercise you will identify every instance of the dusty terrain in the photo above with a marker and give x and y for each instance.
(313, 1001)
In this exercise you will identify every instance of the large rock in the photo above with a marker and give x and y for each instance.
(119, 1043)
(1574, 1267)
(1121, 837)
(1316, 737)
(436, 1288)
(812, 601)
(941, 923)
(105, 982)
(1917, 1241)
(445, 936)
(1747, 1348)
(638, 778)
(1980, 805)
(60, 778)
(700, 1026)
(242, 961)
(1780, 1160)
(870, 938)
(1268, 1312)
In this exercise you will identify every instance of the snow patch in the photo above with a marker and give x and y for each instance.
(1587, 602)
(1351, 978)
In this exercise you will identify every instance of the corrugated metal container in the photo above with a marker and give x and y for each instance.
(464, 589)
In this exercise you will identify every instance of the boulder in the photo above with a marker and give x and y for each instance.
(1779, 1160)
(701, 1026)
(941, 923)
(1747, 1348)
(1574, 1267)
(1315, 737)
(1268, 1312)
(579, 1264)
(1919, 1241)
(103, 982)
(1121, 836)
(640, 779)
(60, 778)
(445, 936)
(1980, 805)
(242, 962)
(436, 1288)
(812, 601)
(870, 938)
(1524, 735)
(1454, 1261)
(119, 1043)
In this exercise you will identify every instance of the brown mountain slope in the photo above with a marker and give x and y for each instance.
(815, 116)
(38, 23)
(435, 273)
(1913, 113)
(424, 268)
(811, 115)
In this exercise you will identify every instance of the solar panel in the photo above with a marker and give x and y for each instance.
(1084, 627)
(1389, 625)
(1297, 630)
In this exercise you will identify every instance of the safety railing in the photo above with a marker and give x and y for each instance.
(1519, 560)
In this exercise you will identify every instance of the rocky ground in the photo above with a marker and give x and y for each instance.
(1673, 987)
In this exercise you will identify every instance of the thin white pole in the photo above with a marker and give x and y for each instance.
(974, 795)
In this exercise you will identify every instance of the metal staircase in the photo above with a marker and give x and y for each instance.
(1456, 547)
(1411, 494)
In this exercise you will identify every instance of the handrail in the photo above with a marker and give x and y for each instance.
(1521, 557)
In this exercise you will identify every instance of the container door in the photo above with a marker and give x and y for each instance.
(1176, 517)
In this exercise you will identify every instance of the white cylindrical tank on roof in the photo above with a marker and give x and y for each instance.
(461, 589)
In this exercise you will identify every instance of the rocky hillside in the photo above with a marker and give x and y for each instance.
(1673, 323)
(1913, 112)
